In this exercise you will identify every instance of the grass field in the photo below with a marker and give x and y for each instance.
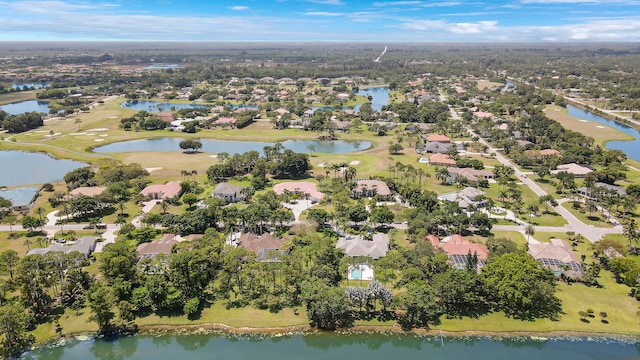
(595, 219)
(17, 97)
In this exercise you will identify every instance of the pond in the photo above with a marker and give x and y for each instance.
(157, 106)
(26, 106)
(379, 96)
(631, 148)
(232, 147)
(29, 86)
(337, 347)
(23, 168)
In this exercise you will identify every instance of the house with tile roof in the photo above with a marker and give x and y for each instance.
(266, 246)
(441, 160)
(558, 256)
(458, 250)
(169, 190)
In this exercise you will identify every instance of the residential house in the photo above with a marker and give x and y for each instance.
(21, 198)
(370, 188)
(469, 174)
(438, 138)
(603, 187)
(573, 168)
(308, 113)
(558, 256)
(356, 245)
(85, 246)
(266, 246)
(542, 154)
(466, 198)
(225, 121)
(169, 190)
(230, 193)
(434, 147)
(458, 250)
(157, 247)
(299, 187)
(441, 160)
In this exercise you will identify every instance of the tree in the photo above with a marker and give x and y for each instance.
(381, 215)
(5, 207)
(8, 261)
(30, 223)
(327, 306)
(395, 148)
(101, 301)
(630, 232)
(519, 285)
(118, 261)
(417, 307)
(190, 199)
(14, 322)
(529, 231)
(357, 213)
(190, 145)
(10, 220)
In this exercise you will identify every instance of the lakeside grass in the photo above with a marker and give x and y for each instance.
(18, 96)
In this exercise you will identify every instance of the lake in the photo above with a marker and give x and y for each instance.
(157, 106)
(22, 168)
(336, 347)
(631, 148)
(26, 106)
(379, 96)
(217, 146)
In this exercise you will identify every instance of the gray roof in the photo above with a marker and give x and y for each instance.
(85, 245)
(20, 196)
(356, 245)
(227, 189)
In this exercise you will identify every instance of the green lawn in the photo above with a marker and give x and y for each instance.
(595, 219)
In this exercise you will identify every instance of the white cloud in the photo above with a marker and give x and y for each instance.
(456, 28)
(238, 8)
(614, 29)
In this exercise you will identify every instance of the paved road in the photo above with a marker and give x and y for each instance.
(588, 231)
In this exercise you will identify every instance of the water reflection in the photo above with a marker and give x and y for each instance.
(115, 348)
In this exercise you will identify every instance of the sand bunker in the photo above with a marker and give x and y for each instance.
(584, 121)
(354, 162)
(103, 135)
(98, 129)
(213, 156)
(152, 169)
(98, 140)
(600, 127)
(113, 117)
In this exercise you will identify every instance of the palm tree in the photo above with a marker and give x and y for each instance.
(349, 173)
(164, 205)
(27, 243)
(442, 174)
(532, 209)
(631, 232)
(529, 231)
(40, 211)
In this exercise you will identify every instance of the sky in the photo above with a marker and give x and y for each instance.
(321, 20)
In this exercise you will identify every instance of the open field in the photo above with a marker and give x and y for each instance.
(486, 84)
(17, 97)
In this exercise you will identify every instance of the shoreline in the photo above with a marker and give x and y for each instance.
(219, 329)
